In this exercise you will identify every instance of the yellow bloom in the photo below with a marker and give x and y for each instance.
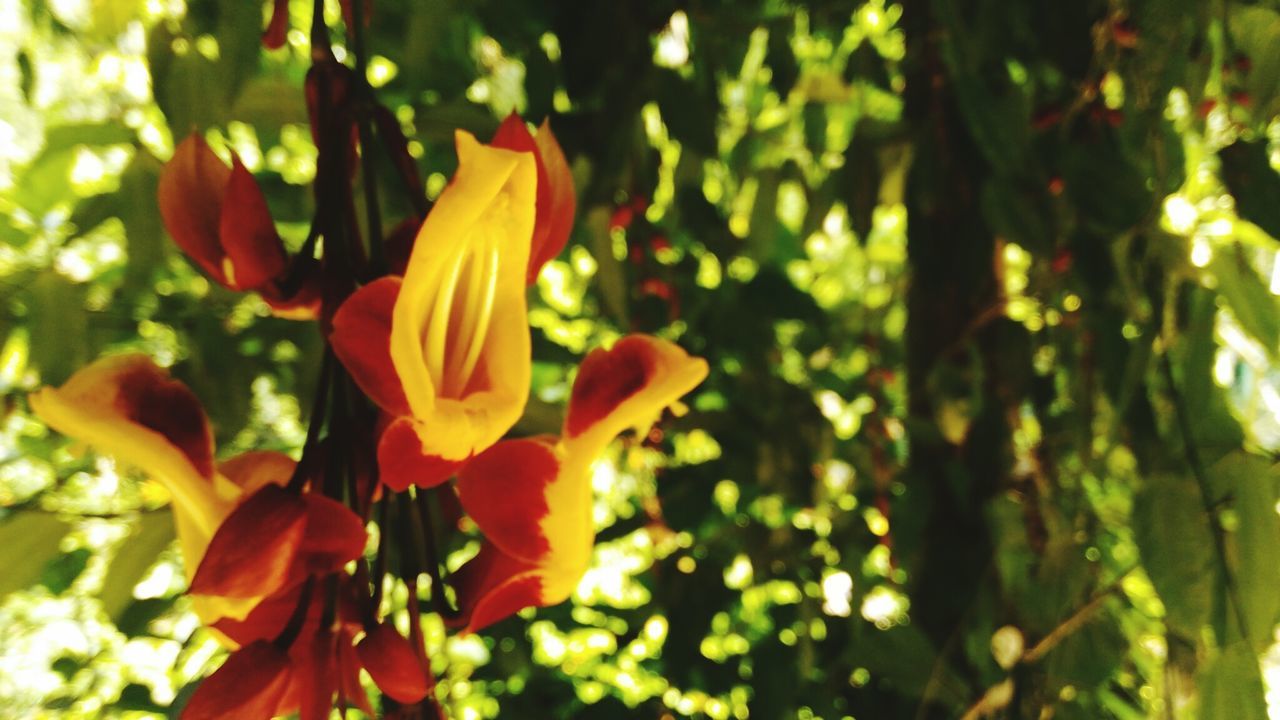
(445, 349)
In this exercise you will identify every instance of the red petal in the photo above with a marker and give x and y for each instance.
(190, 196)
(149, 397)
(334, 536)
(315, 674)
(503, 489)
(401, 461)
(267, 619)
(361, 338)
(392, 663)
(513, 135)
(605, 379)
(555, 217)
(247, 233)
(252, 553)
(628, 385)
(248, 686)
(273, 37)
(493, 586)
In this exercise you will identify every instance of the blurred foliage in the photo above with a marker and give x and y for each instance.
(989, 292)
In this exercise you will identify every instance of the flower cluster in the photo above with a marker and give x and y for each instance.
(439, 344)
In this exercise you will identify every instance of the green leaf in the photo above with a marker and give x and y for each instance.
(144, 233)
(137, 554)
(190, 89)
(64, 137)
(28, 75)
(1214, 429)
(67, 667)
(45, 182)
(111, 17)
(611, 278)
(1255, 31)
(59, 325)
(1173, 534)
(136, 619)
(268, 103)
(61, 572)
(905, 659)
(1090, 656)
(30, 539)
(1251, 301)
(138, 697)
(239, 34)
(1012, 213)
(1247, 172)
(1249, 482)
(134, 203)
(1231, 687)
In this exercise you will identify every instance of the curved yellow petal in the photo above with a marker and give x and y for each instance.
(129, 408)
(627, 386)
(459, 335)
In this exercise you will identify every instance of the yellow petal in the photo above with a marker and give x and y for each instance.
(460, 335)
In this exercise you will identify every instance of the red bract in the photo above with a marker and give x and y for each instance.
(219, 217)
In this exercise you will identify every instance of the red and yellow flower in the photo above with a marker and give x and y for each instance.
(531, 498)
(129, 408)
(249, 544)
(445, 350)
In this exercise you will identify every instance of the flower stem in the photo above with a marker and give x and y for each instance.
(373, 224)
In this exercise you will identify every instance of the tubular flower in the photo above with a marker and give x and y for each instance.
(219, 217)
(444, 350)
(532, 497)
(128, 407)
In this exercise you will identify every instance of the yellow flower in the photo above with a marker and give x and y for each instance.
(444, 350)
